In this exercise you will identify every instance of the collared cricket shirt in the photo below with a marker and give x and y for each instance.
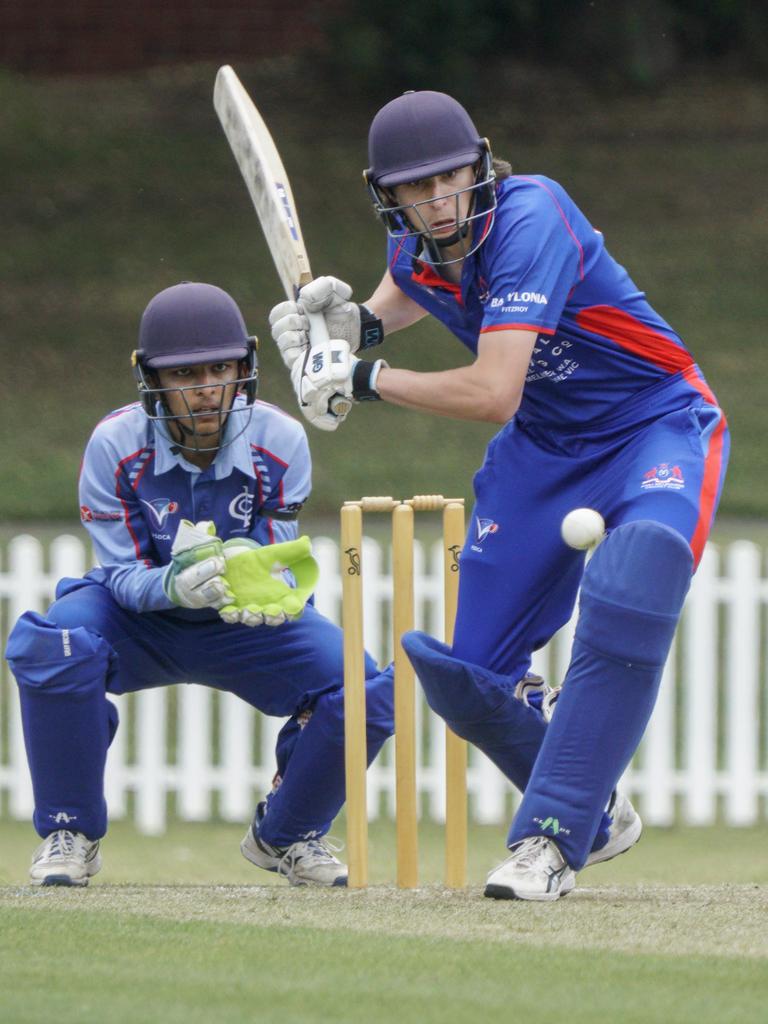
(544, 268)
(136, 487)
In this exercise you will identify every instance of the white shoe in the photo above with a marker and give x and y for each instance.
(624, 832)
(307, 862)
(533, 691)
(65, 858)
(536, 870)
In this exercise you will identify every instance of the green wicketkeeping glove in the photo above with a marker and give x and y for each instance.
(254, 575)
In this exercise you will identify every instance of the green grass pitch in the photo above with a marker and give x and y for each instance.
(181, 928)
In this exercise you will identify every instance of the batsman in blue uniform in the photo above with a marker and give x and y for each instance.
(191, 497)
(601, 406)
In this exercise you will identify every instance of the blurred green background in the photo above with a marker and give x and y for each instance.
(114, 186)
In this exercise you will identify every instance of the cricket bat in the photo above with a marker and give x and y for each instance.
(262, 169)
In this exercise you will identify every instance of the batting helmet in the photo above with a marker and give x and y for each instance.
(418, 135)
(193, 324)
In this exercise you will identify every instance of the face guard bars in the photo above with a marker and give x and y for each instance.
(482, 208)
(153, 402)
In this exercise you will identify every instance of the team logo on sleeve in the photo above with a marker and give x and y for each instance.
(160, 508)
(483, 528)
(663, 477)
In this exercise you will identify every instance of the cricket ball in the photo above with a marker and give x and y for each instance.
(583, 528)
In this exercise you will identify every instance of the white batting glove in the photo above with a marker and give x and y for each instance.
(322, 381)
(194, 578)
(329, 379)
(290, 329)
(330, 296)
(351, 322)
(355, 323)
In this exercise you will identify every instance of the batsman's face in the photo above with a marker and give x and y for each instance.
(438, 204)
(199, 397)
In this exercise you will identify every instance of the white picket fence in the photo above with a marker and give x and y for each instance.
(197, 754)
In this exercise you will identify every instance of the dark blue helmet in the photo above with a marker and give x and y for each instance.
(420, 135)
(193, 324)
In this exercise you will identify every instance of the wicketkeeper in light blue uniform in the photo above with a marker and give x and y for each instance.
(600, 406)
(191, 497)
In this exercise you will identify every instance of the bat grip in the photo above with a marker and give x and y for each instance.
(318, 333)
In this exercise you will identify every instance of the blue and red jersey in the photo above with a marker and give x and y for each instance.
(601, 349)
(136, 487)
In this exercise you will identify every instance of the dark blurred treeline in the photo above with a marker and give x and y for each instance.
(452, 44)
(372, 49)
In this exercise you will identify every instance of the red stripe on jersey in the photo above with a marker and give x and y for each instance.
(516, 327)
(142, 471)
(119, 412)
(126, 510)
(400, 245)
(266, 451)
(429, 278)
(635, 336)
(694, 378)
(487, 226)
(709, 488)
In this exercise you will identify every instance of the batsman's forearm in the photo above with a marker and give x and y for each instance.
(459, 393)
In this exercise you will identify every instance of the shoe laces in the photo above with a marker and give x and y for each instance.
(61, 843)
(319, 850)
(530, 850)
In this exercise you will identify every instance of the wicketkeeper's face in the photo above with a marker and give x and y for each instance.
(199, 398)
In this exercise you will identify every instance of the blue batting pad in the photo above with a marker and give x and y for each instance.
(631, 598)
(478, 705)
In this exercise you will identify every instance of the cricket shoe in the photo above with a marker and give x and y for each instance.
(533, 691)
(624, 831)
(536, 870)
(65, 858)
(307, 862)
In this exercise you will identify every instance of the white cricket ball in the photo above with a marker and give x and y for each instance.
(583, 528)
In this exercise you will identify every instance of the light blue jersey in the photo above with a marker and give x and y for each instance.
(136, 487)
(115, 631)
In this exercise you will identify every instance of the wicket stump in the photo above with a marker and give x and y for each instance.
(405, 697)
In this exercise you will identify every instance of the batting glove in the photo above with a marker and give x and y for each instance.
(194, 578)
(350, 321)
(329, 378)
(290, 329)
(257, 578)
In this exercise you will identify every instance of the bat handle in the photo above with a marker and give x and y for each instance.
(318, 333)
(339, 405)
